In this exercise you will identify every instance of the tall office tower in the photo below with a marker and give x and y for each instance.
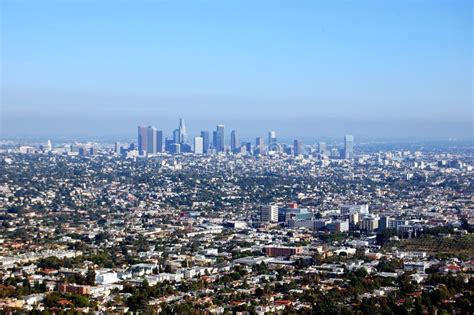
(185, 148)
(49, 146)
(234, 141)
(182, 131)
(220, 138)
(214, 140)
(176, 136)
(117, 148)
(248, 147)
(205, 141)
(159, 141)
(322, 147)
(259, 142)
(297, 148)
(385, 222)
(175, 148)
(269, 213)
(348, 147)
(198, 145)
(142, 140)
(272, 137)
(151, 140)
(168, 144)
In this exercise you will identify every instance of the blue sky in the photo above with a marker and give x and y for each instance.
(303, 68)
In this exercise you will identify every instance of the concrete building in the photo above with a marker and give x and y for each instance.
(198, 145)
(269, 213)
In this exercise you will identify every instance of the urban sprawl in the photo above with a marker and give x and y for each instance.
(210, 226)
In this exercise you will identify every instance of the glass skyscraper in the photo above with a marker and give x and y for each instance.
(234, 141)
(182, 131)
(205, 141)
(272, 137)
(348, 147)
(150, 140)
(297, 148)
(142, 140)
(220, 138)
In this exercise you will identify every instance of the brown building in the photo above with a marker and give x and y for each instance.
(74, 289)
(282, 251)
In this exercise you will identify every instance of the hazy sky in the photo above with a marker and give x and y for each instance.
(302, 68)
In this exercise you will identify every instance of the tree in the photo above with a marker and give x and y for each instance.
(90, 277)
(361, 273)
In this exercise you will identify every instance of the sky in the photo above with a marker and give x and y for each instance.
(307, 69)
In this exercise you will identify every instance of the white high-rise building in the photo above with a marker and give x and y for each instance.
(269, 213)
(272, 137)
(198, 145)
(182, 131)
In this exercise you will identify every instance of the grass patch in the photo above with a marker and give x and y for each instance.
(461, 246)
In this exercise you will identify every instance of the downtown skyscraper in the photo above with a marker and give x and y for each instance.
(198, 145)
(234, 141)
(272, 137)
(142, 140)
(182, 131)
(206, 145)
(297, 148)
(220, 138)
(348, 147)
(150, 140)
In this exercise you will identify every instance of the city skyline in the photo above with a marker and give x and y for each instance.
(151, 141)
(329, 69)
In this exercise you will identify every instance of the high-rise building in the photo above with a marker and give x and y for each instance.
(233, 141)
(151, 140)
(182, 131)
(168, 144)
(159, 141)
(205, 141)
(322, 148)
(334, 153)
(269, 213)
(185, 148)
(369, 223)
(259, 142)
(248, 147)
(348, 147)
(385, 222)
(176, 136)
(175, 148)
(220, 138)
(272, 137)
(198, 145)
(214, 140)
(297, 148)
(142, 140)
